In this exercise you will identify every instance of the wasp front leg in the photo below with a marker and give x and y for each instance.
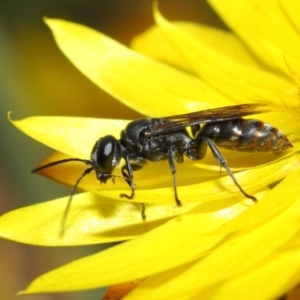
(127, 172)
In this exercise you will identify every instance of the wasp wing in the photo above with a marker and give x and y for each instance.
(205, 116)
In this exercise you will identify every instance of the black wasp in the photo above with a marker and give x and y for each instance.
(158, 139)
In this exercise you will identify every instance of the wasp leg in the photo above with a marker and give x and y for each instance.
(143, 212)
(171, 154)
(127, 172)
(129, 179)
(221, 160)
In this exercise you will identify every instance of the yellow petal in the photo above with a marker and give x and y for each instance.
(132, 78)
(71, 135)
(258, 32)
(153, 43)
(226, 74)
(91, 219)
(167, 246)
(261, 241)
(263, 176)
(261, 275)
(292, 7)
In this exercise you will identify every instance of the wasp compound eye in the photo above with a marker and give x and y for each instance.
(106, 154)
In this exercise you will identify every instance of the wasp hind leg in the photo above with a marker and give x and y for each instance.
(221, 160)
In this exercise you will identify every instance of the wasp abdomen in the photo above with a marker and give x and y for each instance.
(246, 135)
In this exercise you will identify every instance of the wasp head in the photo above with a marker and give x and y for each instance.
(106, 155)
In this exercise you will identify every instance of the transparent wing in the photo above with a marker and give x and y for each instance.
(178, 122)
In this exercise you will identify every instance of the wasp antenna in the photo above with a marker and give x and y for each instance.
(54, 163)
(63, 221)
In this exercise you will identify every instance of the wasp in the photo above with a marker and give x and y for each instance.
(160, 139)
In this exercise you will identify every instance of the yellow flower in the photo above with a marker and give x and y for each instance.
(217, 245)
